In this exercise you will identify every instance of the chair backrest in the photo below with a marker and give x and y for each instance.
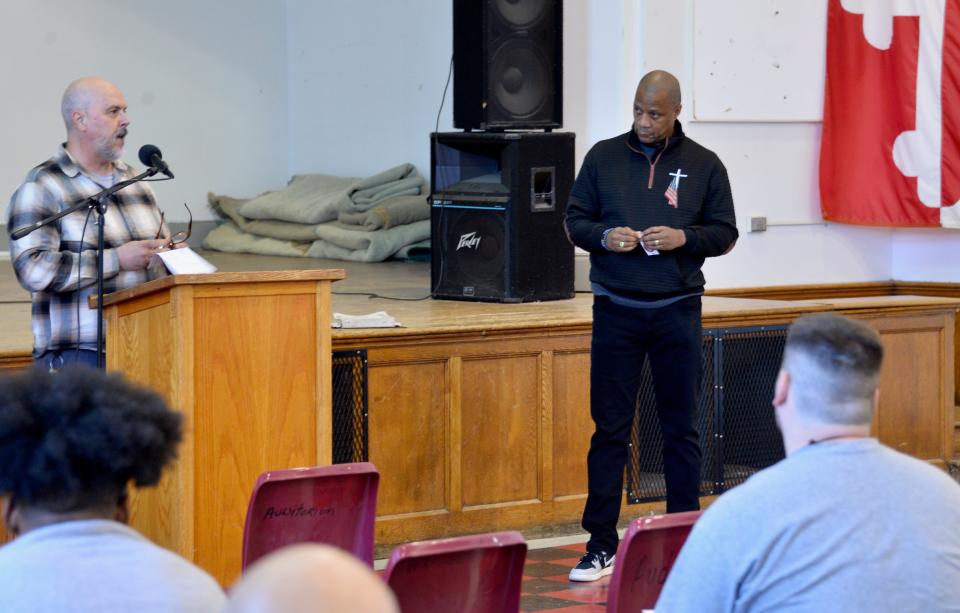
(467, 574)
(644, 559)
(335, 505)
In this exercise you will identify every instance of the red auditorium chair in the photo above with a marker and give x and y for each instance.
(335, 505)
(644, 559)
(467, 574)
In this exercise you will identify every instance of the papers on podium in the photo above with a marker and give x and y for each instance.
(185, 261)
(380, 319)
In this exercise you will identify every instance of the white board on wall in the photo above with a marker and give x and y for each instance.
(759, 60)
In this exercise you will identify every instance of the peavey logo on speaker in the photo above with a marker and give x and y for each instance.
(469, 240)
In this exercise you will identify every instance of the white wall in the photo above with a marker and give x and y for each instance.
(577, 71)
(366, 80)
(928, 254)
(613, 55)
(205, 81)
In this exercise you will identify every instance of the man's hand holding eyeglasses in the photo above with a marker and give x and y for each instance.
(171, 244)
(136, 255)
(179, 239)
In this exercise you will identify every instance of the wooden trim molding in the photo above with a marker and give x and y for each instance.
(841, 290)
(809, 292)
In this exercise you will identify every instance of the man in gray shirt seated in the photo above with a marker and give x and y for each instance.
(843, 523)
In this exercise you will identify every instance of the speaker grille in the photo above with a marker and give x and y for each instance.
(521, 13)
(476, 245)
(519, 79)
(507, 64)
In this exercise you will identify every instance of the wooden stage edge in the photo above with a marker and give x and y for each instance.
(479, 412)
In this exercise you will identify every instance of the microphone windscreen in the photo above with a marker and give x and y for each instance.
(147, 152)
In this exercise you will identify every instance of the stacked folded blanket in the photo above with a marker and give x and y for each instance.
(362, 220)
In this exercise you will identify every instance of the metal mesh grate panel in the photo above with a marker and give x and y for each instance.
(645, 458)
(749, 362)
(349, 406)
(738, 432)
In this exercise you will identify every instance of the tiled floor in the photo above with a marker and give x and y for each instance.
(546, 588)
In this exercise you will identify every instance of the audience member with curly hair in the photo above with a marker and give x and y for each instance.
(70, 444)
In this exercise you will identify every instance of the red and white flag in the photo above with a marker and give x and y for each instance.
(890, 149)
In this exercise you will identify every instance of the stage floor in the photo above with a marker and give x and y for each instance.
(402, 289)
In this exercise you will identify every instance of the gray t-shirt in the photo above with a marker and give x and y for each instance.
(100, 566)
(836, 526)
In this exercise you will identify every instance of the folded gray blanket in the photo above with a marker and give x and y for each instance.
(229, 208)
(315, 198)
(336, 242)
(308, 199)
(228, 237)
(340, 243)
(402, 180)
(381, 216)
(394, 211)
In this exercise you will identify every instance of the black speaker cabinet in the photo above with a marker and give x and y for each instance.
(498, 201)
(507, 64)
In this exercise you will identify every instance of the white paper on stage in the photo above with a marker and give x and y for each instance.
(380, 319)
(185, 261)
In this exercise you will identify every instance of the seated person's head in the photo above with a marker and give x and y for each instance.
(834, 366)
(310, 578)
(72, 441)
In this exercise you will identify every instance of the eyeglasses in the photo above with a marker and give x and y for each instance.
(179, 237)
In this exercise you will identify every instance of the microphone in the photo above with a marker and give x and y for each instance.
(151, 156)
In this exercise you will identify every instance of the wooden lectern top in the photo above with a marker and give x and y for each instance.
(273, 276)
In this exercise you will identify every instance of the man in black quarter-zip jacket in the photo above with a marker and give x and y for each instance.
(649, 206)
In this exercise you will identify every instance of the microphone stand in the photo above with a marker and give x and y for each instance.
(98, 203)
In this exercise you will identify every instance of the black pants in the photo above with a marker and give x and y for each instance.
(622, 336)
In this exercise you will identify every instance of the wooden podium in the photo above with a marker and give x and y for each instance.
(247, 358)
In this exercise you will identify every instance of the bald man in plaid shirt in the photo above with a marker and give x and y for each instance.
(57, 263)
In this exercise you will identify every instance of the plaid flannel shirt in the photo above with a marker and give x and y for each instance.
(57, 264)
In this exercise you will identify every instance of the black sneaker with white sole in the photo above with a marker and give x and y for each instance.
(592, 567)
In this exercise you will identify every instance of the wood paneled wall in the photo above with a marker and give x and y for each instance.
(490, 431)
(915, 414)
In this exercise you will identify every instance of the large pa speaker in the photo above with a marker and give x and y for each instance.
(498, 203)
(507, 64)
